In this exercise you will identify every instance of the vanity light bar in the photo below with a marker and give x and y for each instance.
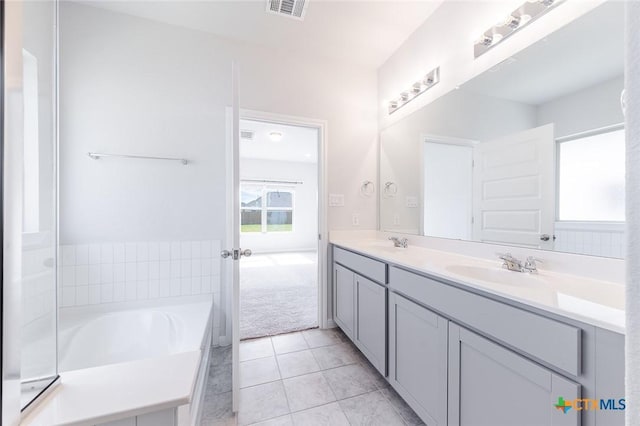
(417, 89)
(519, 18)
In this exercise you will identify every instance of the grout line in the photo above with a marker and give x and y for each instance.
(277, 362)
(319, 406)
(284, 389)
(393, 407)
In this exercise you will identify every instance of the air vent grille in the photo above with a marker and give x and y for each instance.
(291, 8)
(246, 134)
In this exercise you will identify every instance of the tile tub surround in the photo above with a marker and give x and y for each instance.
(590, 238)
(38, 291)
(288, 382)
(125, 271)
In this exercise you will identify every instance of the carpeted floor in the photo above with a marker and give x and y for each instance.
(278, 293)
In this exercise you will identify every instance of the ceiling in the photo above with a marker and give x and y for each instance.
(363, 32)
(298, 144)
(586, 52)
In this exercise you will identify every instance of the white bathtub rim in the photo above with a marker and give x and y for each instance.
(74, 319)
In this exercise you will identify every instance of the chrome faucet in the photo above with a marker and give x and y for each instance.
(530, 265)
(509, 262)
(513, 264)
(399, 242)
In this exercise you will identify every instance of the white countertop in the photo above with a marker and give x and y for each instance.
(595, 302)
(110, 392)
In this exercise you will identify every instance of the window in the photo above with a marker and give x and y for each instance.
(266, 208)
(591, 178)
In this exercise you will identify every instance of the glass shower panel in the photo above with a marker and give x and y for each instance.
(38, 367)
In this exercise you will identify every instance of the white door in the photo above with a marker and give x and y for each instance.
(514, 182)
(233, 253)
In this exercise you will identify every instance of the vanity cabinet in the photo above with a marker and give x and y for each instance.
(344, 289)
(370, 334)
(491, 385)
(418, 358)
(461, 357)
(361, 304)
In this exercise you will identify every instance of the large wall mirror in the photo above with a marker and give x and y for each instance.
(530, 153)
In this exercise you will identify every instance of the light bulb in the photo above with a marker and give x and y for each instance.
(275, 136)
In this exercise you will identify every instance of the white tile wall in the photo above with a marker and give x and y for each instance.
(38, 284)
(117, 272)
(590, 238)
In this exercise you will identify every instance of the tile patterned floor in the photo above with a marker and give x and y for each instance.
(309, 378)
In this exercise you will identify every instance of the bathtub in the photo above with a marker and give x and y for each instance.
(90, 336)
(98, 335)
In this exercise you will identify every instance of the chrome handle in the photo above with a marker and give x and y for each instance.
(534, 259)
(545, 237)
(235, 253)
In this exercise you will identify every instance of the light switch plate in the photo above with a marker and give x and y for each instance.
(336, 200)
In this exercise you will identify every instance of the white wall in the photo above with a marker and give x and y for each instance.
(129, 85)
(590, 108)
(305, 216)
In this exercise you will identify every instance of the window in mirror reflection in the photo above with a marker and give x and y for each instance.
(591, 178)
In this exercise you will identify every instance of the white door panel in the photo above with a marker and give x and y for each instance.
(234, 226)
(514, 184)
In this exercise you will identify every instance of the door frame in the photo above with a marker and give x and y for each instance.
(321, 125)
(324, 318)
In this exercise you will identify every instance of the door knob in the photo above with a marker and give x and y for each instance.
(547, 237)
(235, 253)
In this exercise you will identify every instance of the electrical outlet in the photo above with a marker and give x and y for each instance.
(411, 202)
(396, 219)
(355, 219)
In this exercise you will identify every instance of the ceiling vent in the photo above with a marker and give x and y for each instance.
(291, 8)
(246, 134)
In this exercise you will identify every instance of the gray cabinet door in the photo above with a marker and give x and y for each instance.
(371, 322)
(418, 358)
(344, 299)
(493, 386)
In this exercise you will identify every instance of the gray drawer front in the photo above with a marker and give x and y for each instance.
(550, 341)
(363, 265)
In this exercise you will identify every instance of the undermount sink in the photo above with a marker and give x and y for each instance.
(496, 275)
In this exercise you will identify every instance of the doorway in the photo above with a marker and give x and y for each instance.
(279, 223)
